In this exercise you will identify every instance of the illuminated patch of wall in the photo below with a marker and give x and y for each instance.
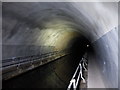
(57, 33)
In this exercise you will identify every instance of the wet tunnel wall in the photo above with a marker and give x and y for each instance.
(40, 27)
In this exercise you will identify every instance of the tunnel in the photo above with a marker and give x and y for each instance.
(44, 42)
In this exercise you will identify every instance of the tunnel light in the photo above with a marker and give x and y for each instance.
(87, 45)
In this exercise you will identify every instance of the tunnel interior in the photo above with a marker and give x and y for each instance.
(38, 28)
(56, 74)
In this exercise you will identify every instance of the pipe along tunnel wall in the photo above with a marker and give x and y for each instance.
(42, 27)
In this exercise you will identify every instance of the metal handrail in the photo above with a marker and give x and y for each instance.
(78, 75)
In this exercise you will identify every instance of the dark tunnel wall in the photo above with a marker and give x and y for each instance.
(37, 25)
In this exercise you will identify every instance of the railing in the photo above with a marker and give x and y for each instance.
(78, 75)
(18, 60)
(18, 65)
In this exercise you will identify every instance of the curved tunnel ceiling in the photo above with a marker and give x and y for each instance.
(88, 17)
(55, 24)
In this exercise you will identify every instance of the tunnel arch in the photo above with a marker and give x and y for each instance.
(33, 28)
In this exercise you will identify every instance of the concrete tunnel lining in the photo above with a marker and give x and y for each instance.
(84, 18)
